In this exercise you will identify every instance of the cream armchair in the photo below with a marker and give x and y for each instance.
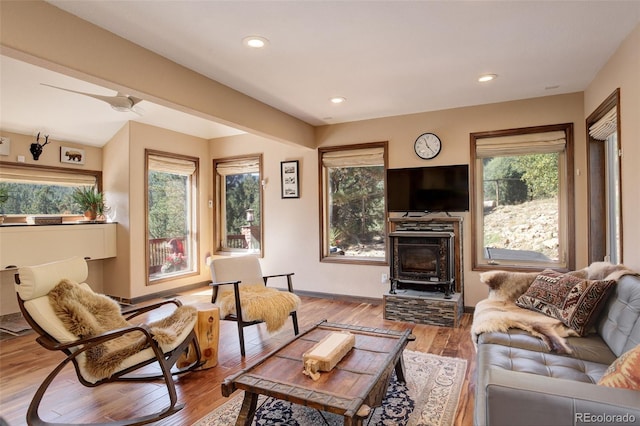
(240, 291)
(102, 344)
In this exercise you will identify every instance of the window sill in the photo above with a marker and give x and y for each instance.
(79, 222)
(23, 220)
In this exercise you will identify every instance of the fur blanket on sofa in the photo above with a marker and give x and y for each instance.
(498, 312)
(260, 303)
(87, 314)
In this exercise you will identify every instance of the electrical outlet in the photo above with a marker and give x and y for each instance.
(384, 278)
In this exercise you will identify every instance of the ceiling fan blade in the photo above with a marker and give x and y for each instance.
(119, 102)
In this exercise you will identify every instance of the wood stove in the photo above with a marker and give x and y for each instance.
(422, 260)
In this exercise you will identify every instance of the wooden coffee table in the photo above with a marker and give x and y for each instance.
(356, 385)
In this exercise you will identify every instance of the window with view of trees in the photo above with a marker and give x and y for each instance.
(523, 198)
(352, 203)
(239, 204)
(42, 190)
(171, 215)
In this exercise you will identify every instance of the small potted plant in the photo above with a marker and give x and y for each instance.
(90, 200)
(4, 196)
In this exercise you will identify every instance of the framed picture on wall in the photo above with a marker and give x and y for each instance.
(290, 179)
(71, 155)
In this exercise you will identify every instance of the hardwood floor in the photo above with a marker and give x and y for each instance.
(24, 364)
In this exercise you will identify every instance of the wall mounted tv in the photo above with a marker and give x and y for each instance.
(428, 189)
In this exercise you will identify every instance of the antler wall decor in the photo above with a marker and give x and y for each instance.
(36, 147)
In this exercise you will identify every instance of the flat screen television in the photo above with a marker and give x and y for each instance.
(428, 189)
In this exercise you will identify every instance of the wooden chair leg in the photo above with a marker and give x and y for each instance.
(241, 337)
(294, 318)
(33, 417)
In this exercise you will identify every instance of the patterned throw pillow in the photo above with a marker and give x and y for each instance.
(624, 372)
(573, 300)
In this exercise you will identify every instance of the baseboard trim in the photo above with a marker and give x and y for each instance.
(340, 297)
(316, 294)
(161, 294)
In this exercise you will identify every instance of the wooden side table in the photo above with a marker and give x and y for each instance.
(207, 330)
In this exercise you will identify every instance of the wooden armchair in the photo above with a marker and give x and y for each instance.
(45, 292)
(240, 291)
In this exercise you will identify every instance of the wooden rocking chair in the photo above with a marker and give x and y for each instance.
(33, 285)
(234, 273)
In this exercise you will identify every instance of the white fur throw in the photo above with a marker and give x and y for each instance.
(87, 314)
(260, 303)
(498, 312)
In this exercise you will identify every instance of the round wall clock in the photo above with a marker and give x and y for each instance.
(427, 146)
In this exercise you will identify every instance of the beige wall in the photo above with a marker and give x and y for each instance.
(116, 181)
(292, 231)
(50, 153)
(125, 276)
(50, 157)
(123, 183)
(291, 225)
(623, 71)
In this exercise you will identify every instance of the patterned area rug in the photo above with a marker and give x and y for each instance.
(430, 398)
(14, 325)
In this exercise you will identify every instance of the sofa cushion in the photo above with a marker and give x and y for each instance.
(619, 324)
(540, 363)
(573, 300)
(589, 348)
(624, 372)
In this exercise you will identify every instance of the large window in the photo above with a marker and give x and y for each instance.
(172, 188)
(523, 198)
(352, 203)
(239, 219)
(605, 200)
(42, 190)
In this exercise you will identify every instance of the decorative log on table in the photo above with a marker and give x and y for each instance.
(325, 354)
(207, 330)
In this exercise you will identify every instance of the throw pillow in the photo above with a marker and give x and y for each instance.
(624, 372)
(574, 301)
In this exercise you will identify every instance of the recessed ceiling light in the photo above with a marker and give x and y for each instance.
(487, 77)
(338, 99)
(255, 42)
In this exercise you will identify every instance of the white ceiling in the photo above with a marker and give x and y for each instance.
(28, 107)
(385, 57)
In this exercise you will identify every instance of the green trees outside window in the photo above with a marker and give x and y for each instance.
(523, 212)
(357, 213)
(352, 200)
(171, 215)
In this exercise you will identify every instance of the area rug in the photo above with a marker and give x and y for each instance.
(14, 324)
(430, 398)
